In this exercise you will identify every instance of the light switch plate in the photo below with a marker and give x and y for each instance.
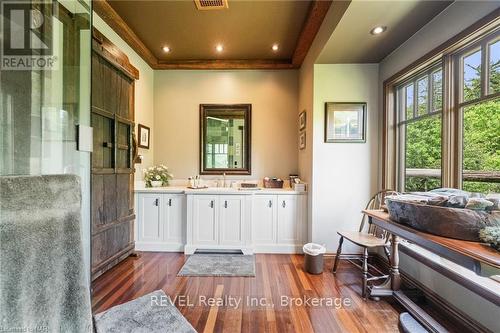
(85, 140)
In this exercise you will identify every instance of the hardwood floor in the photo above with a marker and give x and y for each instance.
(278, 278)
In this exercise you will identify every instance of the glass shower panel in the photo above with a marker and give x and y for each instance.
(43, 102)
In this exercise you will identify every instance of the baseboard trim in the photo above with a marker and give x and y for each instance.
(439, 302)
(159, 247)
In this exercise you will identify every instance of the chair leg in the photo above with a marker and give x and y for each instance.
(387, 253)
(337, 257)
(365, 272)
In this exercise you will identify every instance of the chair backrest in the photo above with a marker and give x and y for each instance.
(375, 202)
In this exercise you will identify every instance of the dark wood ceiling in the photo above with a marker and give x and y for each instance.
(247, 30)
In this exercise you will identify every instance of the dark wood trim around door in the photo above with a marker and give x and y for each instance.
(111, 17)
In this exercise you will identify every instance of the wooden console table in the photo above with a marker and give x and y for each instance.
(464, 253)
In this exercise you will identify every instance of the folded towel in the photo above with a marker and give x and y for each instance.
(43, 285)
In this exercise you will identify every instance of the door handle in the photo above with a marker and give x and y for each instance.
(270, 203)
(225, 204)
(170, 202)
(211, 204)
(284, 204)
(157, 202)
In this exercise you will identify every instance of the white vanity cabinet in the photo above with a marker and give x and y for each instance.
(160, 222)
(279, 223)
(218, 222)
(178, 219)
(204, 216)
(149, 211)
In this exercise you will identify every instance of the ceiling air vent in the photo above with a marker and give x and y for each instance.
(210, 4)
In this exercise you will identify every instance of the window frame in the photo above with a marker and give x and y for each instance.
(484, 31)
(458, 62)
(400, 104)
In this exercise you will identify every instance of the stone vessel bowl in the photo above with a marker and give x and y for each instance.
(457, 223)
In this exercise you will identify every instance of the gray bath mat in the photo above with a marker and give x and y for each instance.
(150, 313)
(218, 265)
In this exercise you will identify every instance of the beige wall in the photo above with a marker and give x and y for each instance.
(306, 99)
(344, 174)
(273, 95)
(143, 90)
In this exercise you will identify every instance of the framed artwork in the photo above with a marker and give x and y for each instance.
(144, 134)
(302, 140)
(345, 122)
(302, 120)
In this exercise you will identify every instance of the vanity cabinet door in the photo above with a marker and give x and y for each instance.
(231, 219)
(173, 217)
(150, 226)
(288, 217)
(205, 226)
(264, 219)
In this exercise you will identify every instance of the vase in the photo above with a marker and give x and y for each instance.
(156, 183)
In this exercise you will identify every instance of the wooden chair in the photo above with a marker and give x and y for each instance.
(368, 237)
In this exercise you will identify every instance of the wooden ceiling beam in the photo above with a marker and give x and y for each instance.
(225, 64)
(315, 17)
(111, 17)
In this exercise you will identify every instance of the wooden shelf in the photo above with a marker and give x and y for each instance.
(479, 252)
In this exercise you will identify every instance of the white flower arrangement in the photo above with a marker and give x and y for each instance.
(157, 173)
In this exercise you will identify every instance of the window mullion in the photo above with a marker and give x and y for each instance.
(430, 92)
(449, 133)
(484, 68)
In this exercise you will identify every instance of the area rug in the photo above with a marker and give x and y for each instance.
(153, 312)
(218, 265)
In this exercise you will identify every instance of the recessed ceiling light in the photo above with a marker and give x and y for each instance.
(166, 49)
(378, 30)
(275, 47)
(219, 48)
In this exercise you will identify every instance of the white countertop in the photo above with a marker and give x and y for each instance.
(216, 190)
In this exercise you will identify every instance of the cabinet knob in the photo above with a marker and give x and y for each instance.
(211, 204)
(270, 203)
(284, 204)
(170, 202)
(225, 204)
(157, 202)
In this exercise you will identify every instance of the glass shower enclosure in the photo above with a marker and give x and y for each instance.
(45, 92)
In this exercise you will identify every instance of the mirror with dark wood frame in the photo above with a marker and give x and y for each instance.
(225, 132)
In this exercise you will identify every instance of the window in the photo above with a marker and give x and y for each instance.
(420, 131)
(479, 108)
(442, 117)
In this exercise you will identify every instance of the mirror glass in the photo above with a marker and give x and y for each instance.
(225, 139)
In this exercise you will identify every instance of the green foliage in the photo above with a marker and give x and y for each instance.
(423, 151)
(481, 140)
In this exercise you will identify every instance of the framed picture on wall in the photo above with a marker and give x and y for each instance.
(302, 140)
(345, 122)
(302, 120)
(144, 134)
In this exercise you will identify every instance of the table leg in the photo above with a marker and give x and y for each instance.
(395, 276)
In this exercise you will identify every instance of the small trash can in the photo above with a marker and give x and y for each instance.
(313, 259)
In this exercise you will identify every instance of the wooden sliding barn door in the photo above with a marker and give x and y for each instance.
(112, 166)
